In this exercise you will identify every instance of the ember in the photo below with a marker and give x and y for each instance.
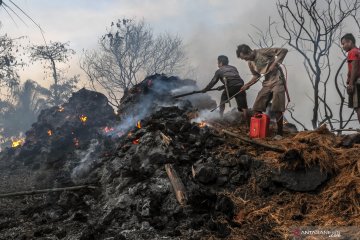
(83, 118)
(108, 129)
(76, 142)
(61, 109)
(232, 189)
(202, 124)
(17, 142)
(138, 125)
(49, 132)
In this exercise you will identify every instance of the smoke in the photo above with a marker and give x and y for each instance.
(129, 120)
(219, 31)
(89, 158)
(199, 101)
(156, 92)
(231, 27)
(184, 89)
(206, 115)
(232, 116)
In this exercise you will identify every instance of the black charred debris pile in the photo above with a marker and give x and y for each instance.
(84, 143)
(124, 156)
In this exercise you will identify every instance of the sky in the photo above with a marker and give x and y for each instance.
(208, 28)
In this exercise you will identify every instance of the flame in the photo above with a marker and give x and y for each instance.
(17, 142)
(49, 132)
(136, 141)
(83, 118)
(108, 129)
(138, 125)
(61, 109)
(202, 124)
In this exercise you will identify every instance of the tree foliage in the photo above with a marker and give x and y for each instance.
(21, 110)
(9, 62)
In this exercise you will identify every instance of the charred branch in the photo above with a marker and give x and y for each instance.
(33, 192)
(177, 184)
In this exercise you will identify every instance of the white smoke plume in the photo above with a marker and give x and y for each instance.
(89, 158)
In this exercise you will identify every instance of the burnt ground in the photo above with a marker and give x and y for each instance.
(235, 190)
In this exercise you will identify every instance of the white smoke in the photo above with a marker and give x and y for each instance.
(184, 89)
(149, 103)
(88, 159)
(206, 115)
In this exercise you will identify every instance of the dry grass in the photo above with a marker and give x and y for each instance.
(337, 203)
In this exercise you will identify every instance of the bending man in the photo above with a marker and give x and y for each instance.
(231, 79)
(265, 62)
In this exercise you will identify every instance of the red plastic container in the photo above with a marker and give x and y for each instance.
(259, 126)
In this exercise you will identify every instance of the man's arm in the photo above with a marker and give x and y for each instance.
(279, 54)
(354, 75)
(348, 78)
(254, 79)
(213, 81)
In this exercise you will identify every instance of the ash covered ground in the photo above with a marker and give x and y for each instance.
(233, 189)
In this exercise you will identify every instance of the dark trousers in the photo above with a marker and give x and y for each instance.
(240, 98)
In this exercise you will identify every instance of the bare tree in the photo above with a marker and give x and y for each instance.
(127, 53)
(310, 28)
(264, 38)
(55, 52)
(166, 56)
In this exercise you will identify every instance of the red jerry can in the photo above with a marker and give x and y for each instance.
(259, 126)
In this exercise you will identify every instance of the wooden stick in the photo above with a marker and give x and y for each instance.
(345, 130)
(178, 186)
(268, 146)
(193, 92)
(32, 192)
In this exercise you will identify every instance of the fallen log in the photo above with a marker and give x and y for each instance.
(33, 192)
(178, 186)
(264, 145)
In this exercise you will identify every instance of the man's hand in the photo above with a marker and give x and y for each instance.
(220, 88)
(244, 88)
(350, 89)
